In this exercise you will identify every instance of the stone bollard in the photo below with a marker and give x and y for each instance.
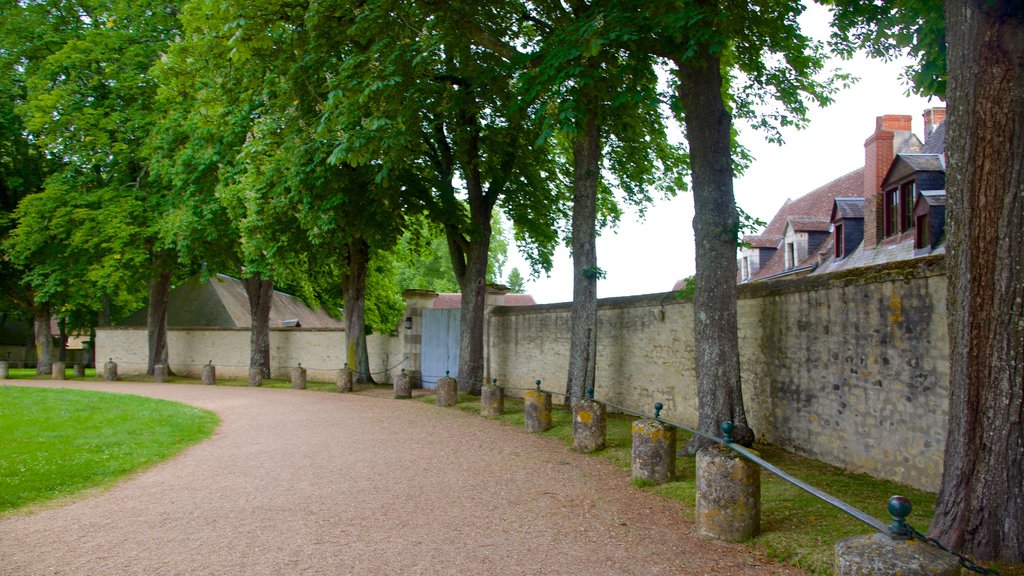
(256, 376)
(447, 391)
(5, 370)
(209, 374)
(110, 370)
(728, 495)
(160, 373)
(896, 553)
(536, 410)
(299, 377)
(78, 371)
(492, 399)
(403, 386)
(588, 425)
(345, 379)
(58, 370)
(654, 450)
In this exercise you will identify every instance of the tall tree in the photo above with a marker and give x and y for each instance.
(978, 46)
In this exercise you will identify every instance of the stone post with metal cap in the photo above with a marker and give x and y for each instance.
(5, 370)
(654, 449)
(345, 378)
(728, 492)
(255, 376)
(299, 377)
(58, 370)
(492, 399)
(110, 370)
(160, 373)
(403, 385)
(588, 424)
(536, 410)
(447, 390)
(78, 371)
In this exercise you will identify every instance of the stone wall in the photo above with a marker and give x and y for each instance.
(320, 351)
(850, 368)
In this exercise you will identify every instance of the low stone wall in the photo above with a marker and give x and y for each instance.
(850, 368)
(320, 351)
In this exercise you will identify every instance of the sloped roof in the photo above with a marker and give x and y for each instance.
(936, 143)
(848, 208)
(809, 223)
(932, 197)
(221, 302)
(454, 300)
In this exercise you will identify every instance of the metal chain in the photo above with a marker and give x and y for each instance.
(964, 561)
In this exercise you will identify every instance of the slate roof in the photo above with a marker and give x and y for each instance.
(936, 143)
(221, 302)
(933, 197)
(810, 223)
(848, 208)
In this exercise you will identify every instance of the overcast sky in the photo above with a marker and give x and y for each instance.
(645, 256)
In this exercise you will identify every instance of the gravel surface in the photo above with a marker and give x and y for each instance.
(299, 482)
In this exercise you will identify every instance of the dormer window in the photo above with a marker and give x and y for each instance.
(838, 241)
(898, 211)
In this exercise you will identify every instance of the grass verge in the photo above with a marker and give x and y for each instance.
(57, 442)
(796, 527)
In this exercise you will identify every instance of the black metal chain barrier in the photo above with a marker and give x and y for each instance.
(965, 562)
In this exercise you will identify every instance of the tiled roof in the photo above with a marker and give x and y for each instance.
(891, 249)
(849, 208)
(924, 162)
(933, 197)
(809, 223)
(454, 300)
(936, 143)
(762, 241)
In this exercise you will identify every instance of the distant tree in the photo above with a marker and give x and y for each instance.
(970, 53)
(515, 282)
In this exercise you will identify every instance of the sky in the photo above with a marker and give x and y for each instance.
(650, 255)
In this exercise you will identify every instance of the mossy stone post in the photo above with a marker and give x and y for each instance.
(110, 370)
(5, 370)
(536, 410)
(492, 399)
(447, 391)
(299, 378)
(654, 450)
(78, 371)
(160, 373)
(403, 385)
(58, 370)
(896, 553)
(728, 495)
(345, 379)
(209, 374)
(255, 376)
(588, 424)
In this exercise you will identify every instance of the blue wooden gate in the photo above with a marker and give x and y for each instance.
(440, 348)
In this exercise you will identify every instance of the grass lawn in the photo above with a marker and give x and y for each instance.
(30, 374)
(796, 528)
(57, 442)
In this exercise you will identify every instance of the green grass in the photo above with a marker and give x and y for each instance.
(58, 442)
(796, 527)
(30, 374)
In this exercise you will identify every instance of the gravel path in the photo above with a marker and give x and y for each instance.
(298, 482)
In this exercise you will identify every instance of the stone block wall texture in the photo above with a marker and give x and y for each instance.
(849, 368)
(320, 351)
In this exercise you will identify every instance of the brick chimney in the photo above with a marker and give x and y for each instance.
(879, 150)
(932, 118)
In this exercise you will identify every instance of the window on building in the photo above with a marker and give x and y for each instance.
(890, 210)
(745, 268)
(906, 206)
(839, 241)
(922, 239)
(790, 255)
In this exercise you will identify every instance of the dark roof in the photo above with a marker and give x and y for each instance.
(906, 164)
(932, 197)
(221, 302)
(848, 208)
(936, 141)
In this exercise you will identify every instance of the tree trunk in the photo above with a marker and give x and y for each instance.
(715, 225)
(980, 509)
(260, 292)
(62, 340)
(353, 288)
(44, 339)
(156, 319)
(583, 343)
(472, 278)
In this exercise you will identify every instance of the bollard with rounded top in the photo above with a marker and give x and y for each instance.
(160, 373)
(588, 424)
(536, 410)
(209, 374)
(492, 399)
(728, 492)
(345, 379)
(110, 370)
(255, 376)
(447, 391)
(58, 370)
(299, 377)
(898, 553)
(78, 371)
(403, 385)
(5, 370)
(654, 450)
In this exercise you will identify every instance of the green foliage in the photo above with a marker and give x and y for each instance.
(516, 283)
(58, 442)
